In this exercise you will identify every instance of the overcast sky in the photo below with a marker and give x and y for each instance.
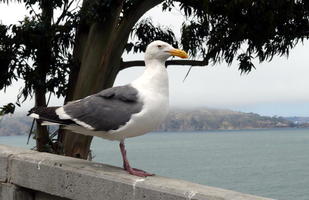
(276, 88)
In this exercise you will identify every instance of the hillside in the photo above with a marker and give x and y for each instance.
(298, 120)
(18, 124)
(215, 119)
(179, 120)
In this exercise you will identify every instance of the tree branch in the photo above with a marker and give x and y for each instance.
(66, 7)
(130, 18)
(140, 63)
(32, 9)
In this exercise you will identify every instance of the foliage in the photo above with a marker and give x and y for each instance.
(19, 44)
(247, 29)
(44, 49)
(227, 30)
(214, 30)
(7, 109)
(145, 32)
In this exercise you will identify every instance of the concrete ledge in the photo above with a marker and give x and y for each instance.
(12, 192)
(5, 154)
(80, 180)
(44, 196)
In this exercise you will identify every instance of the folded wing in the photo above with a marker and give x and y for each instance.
(104, 111)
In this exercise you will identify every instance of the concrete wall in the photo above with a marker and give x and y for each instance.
(30, 175)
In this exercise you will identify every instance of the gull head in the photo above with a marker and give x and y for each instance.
(161, 51)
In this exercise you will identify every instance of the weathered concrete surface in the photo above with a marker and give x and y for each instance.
(5, 153)
(3, 168)
(11, 192)
(82, 180)
(44, 196)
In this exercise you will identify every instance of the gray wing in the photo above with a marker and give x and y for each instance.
(106, 110)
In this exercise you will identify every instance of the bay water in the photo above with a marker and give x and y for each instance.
(273, 162)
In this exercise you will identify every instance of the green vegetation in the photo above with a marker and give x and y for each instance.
(79, 52)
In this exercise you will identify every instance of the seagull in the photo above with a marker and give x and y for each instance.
(120, 112)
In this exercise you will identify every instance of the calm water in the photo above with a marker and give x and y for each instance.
(270, 163)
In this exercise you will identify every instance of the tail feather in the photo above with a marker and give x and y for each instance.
(47, 114)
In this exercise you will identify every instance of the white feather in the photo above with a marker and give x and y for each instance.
(63, 115)
(152, 88)
(34, 115)
(46, 123)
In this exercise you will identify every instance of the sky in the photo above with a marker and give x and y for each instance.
(276, 88)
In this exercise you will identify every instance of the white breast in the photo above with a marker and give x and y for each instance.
(153, 91)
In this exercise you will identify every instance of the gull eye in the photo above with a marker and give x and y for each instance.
(159, 46)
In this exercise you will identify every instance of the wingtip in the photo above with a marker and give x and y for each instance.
(30, 112)
(34, 115)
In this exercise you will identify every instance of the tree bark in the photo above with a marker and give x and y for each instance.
(42, 135)
(94, 75)
(44, 58)
(79, 48)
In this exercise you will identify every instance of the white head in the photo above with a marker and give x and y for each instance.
(161, 51)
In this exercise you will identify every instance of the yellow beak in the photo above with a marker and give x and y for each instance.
(179, 53)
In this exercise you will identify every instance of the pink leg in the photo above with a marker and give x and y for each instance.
(126, 165)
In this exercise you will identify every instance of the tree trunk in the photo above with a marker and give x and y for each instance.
(94, 74)
(79, 47)
(100, 63)
(42, 135)
(44, 58)
(96, 77)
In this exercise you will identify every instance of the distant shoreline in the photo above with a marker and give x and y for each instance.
(236, 130)
(186, 121)
(209, 131)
